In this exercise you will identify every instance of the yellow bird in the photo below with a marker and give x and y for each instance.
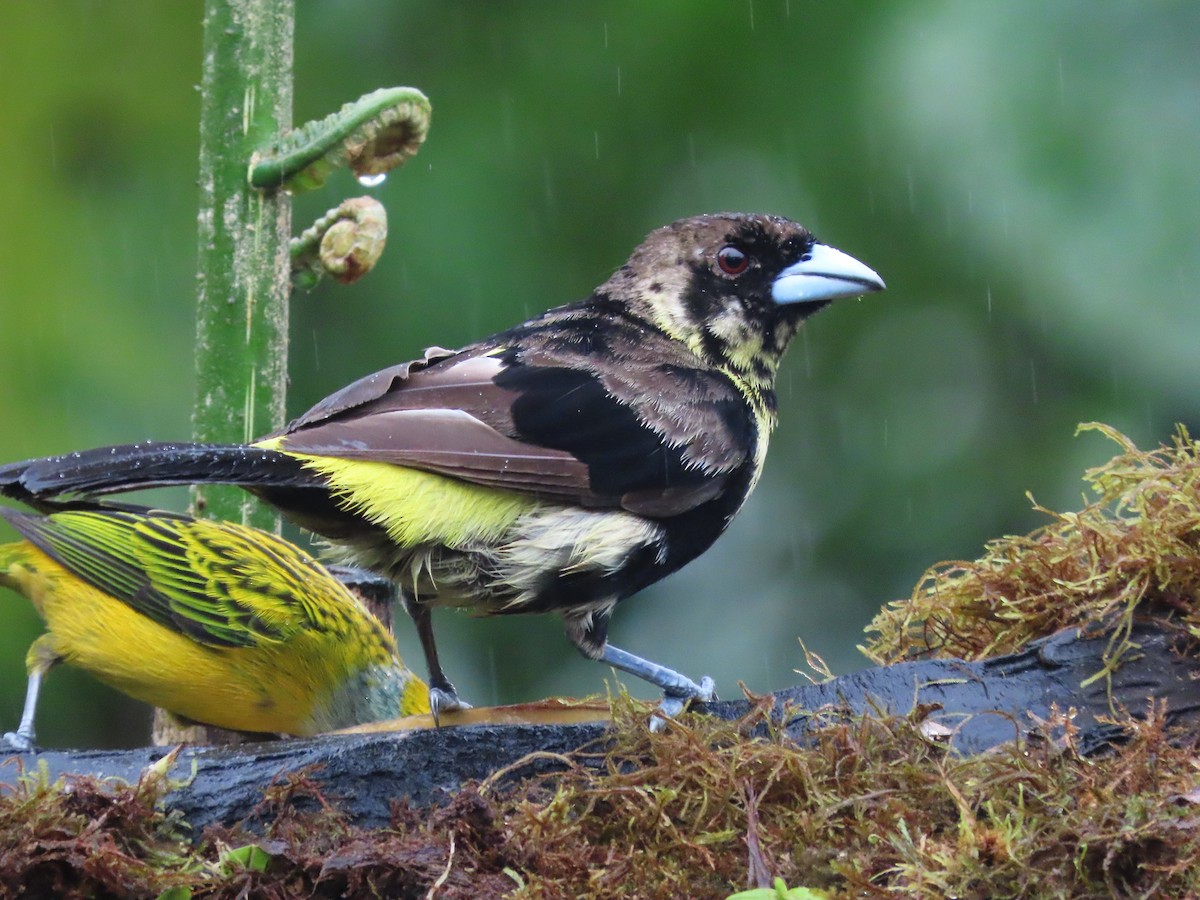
(217, 623)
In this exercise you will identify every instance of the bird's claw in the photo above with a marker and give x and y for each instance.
(676, 699)
(444, 700)
(21, 743)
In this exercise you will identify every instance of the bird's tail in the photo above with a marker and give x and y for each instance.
(130, 467)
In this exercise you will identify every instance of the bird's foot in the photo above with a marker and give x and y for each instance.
(444, 699)
(678, 690)
(677, 698)
(16, 740)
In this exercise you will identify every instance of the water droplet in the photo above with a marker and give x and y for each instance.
(370, 181)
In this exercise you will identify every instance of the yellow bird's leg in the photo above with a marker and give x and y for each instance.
(41, 658)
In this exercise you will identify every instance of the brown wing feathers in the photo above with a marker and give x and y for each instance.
(598, 430)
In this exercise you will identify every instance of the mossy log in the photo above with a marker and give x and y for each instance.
(973, 706)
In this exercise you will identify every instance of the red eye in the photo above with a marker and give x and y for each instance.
(732, 260)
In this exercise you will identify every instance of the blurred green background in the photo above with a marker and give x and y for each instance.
(1024, 176)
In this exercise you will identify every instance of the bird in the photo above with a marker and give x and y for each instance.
(559, 466)
(218, 623)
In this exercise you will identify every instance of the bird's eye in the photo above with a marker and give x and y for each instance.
(732, 260)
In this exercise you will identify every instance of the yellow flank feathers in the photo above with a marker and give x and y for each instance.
(214, 622)
(420, 507)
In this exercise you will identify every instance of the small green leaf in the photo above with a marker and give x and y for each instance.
(251, 858)
(779, 892)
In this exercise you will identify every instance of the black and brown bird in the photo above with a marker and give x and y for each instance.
(559, 466)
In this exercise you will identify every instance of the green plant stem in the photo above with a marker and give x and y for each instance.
(243, 278)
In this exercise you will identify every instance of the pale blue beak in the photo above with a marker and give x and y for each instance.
(824, 274)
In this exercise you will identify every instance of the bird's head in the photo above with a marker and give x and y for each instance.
(735, 287)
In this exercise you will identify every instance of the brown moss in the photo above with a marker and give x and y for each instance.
(872, 808)
(83, 837)
(1136, 548)
(869, 808)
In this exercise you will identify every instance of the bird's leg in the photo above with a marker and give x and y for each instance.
(442, 695)
(678, 690)
(589, 633)
(23, 738)
(40, 660)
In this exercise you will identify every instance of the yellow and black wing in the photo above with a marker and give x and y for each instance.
(223, 585)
